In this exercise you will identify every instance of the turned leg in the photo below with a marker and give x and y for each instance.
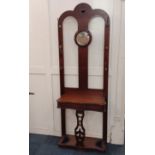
(63, 126)
(79, 130)
(100, 143)
(105, 126)
(63, 122)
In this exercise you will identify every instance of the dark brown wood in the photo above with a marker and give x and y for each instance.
(88, 144)
(61, 57)
(83, 13)
(83, 98)
(83, 67)
(105, 126)
(106, 58)
(63, 122)
(79, 130)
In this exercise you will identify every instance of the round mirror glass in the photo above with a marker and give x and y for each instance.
(83, 38)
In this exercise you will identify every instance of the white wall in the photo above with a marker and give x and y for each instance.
(44, 70)
(41, 106)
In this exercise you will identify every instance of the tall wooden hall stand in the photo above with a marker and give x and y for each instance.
(82, 98)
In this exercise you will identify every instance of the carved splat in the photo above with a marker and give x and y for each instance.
(79, 130)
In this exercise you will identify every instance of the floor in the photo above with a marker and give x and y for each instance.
(47, 145)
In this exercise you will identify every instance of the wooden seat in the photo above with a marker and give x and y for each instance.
(82, 99)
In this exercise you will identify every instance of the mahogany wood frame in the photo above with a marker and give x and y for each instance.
(83, 13)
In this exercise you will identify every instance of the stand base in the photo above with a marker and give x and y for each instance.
(88, 144)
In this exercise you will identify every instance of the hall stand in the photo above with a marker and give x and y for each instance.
(82, 99)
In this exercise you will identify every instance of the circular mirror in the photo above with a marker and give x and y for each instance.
(83, 38)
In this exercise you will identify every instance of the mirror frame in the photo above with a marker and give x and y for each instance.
(90, 38)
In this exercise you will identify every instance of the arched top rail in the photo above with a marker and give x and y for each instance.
(85, 11)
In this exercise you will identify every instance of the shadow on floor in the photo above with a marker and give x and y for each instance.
(48, 145)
